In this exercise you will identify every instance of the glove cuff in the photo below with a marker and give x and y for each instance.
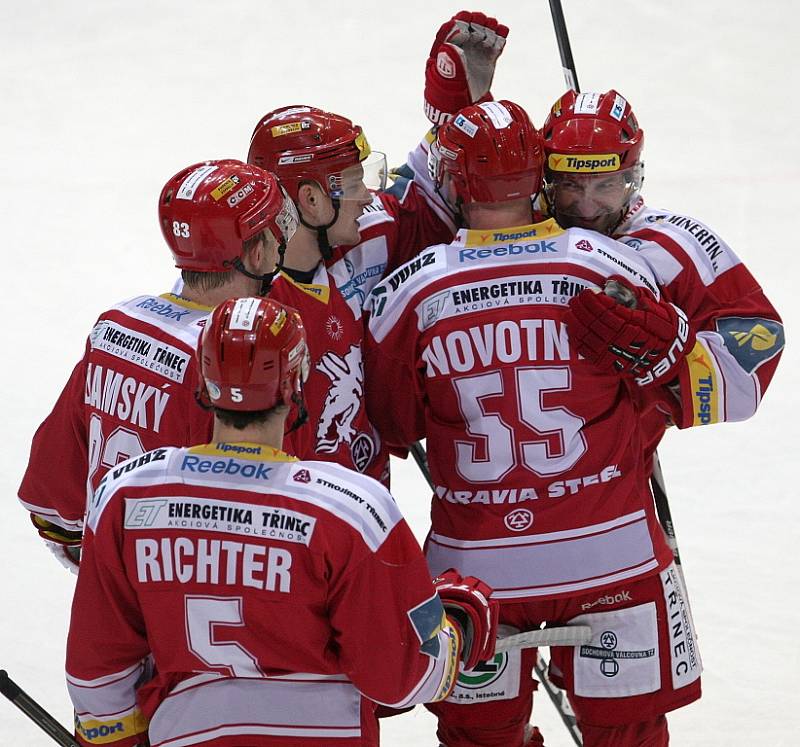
(446, 87)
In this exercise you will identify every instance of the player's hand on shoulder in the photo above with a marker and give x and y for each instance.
(469, 607)
(626, 330)
(65, 544)
(461, 63)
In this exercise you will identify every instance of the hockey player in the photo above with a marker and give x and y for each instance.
(536, 452)
(593, 175)
(133, 390)
(353, 231)
(231, 595)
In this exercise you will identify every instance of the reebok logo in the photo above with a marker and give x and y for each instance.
(512, 250)
(162, 308)
(608, 599)
(226, 466)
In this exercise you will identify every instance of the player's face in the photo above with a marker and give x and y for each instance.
(354, 196)
(594, 201)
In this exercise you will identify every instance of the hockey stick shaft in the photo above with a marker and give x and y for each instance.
(557, 696)
(35, 712)
(564, 49)
(662, 507)
(566, 635)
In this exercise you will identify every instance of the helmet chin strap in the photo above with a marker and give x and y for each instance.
(455, 212)
(302, 412)
(324, 245)
(267, 278)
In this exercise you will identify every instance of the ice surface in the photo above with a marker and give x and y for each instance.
(103, 101)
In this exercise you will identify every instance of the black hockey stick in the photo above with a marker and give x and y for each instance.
(657, 484)
(557, 696)
(35, 712)
(664, 514)
(564, 49)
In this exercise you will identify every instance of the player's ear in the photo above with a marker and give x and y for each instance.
(310, 200)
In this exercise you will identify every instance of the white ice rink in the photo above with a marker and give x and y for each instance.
(102, 101)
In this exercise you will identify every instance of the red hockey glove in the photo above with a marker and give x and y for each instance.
(461, 62)
(469, 607)
(626, 330)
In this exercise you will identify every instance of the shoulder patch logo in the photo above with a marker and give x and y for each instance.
(362, 450)
(751, 340)
(302, 475)
(428, 619)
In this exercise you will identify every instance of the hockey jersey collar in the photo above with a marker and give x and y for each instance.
(489, 237)
(186, 303)
(243, 450)
(318, 289)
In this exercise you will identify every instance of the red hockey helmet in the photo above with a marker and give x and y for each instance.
(593, 135)
(253, 355)
(488, 152)
(208, 210)
(302, 143)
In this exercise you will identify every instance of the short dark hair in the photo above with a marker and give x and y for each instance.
(240, 419)
(208, 281)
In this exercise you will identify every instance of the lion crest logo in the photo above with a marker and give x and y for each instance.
(343, 401)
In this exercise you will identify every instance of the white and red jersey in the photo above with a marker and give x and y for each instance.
(394, 228)
(133, 391)
(267, 594)
(536, 455)
(739, 333)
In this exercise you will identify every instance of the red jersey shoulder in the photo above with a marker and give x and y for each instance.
(141, 378)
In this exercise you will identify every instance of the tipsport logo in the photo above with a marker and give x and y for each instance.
(589, 164)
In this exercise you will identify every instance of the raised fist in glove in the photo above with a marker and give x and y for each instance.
(461, 62)
(468, 605)
(626, 330)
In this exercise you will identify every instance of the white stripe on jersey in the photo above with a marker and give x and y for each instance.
(236, 706)
(551, 563)
(356, 499)
(549, 244)
(184, 327)
(359, 271)
(710, 255)
(111, 695)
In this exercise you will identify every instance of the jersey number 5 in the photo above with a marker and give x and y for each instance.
(203, 615)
